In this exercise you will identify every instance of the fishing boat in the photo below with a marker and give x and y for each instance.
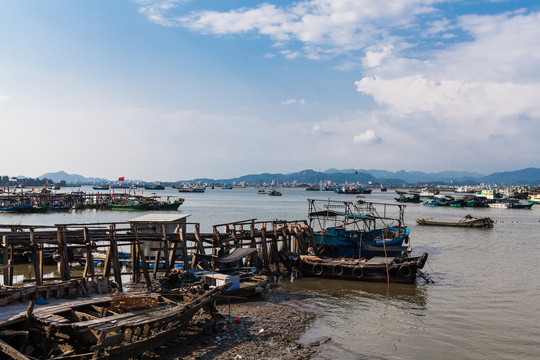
(129, 205)
(18, 208)
(468, 221)
(154, 187)
(352, 190)
(522, 206)
(534, 199)
(500, 205)
(103, 187)
(115, 327)
(226, 187)
(191, 190)
(407, 197)
(173, 205)
(345, 229)
(398, 270)
(427, 193)
(156, 202)
(40, 208)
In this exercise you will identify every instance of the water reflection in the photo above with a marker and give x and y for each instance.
(407, 296)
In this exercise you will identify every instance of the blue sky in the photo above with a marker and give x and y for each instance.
(180, 89)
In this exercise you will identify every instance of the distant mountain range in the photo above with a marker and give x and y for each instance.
(529, 176)
(72, 178)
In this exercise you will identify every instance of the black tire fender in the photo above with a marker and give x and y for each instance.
(393, 271)
(318, 269)
(358, 272)
(337, 269)
(422, 261)
(405, 270)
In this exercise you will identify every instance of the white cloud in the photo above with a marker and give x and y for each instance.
(4, 98)
(493, 76)
(325, 27)
(293, 101)
(155, 10)
(449, 98)
(367, 137)
(374, 59)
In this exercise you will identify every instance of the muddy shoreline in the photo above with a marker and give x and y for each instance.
(268, 327)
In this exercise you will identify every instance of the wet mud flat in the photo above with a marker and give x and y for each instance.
(268, 328)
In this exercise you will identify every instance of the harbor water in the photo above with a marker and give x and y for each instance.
(484, 302)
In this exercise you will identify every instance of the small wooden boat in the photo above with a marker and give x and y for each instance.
(467, 221)
(402, 270)
(115, 327)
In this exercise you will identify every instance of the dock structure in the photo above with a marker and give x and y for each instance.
(78, 200)
(91, 258)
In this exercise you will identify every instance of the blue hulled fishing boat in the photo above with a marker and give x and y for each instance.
(345, 229)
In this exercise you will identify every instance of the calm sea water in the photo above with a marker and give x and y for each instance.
(485, 303)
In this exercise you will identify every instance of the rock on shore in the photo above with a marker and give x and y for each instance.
(261, 329)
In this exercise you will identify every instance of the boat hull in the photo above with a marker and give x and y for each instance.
(377, 269)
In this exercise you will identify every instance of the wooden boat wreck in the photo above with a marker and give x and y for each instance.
(243, 284)
(399, 269)
(115, 327)
(467, 221)
(244, 281)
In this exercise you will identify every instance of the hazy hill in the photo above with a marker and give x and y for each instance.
(71, 178)
(304, 177)
(529, 176)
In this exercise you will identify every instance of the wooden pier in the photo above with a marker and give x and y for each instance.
(155, 244)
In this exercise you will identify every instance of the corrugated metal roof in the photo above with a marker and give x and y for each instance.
(160, 218)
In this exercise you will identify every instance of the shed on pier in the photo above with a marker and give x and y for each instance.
(153, 233)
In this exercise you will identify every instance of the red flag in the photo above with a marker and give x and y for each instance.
(121, 178)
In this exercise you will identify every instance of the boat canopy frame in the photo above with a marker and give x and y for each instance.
(356, 217)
